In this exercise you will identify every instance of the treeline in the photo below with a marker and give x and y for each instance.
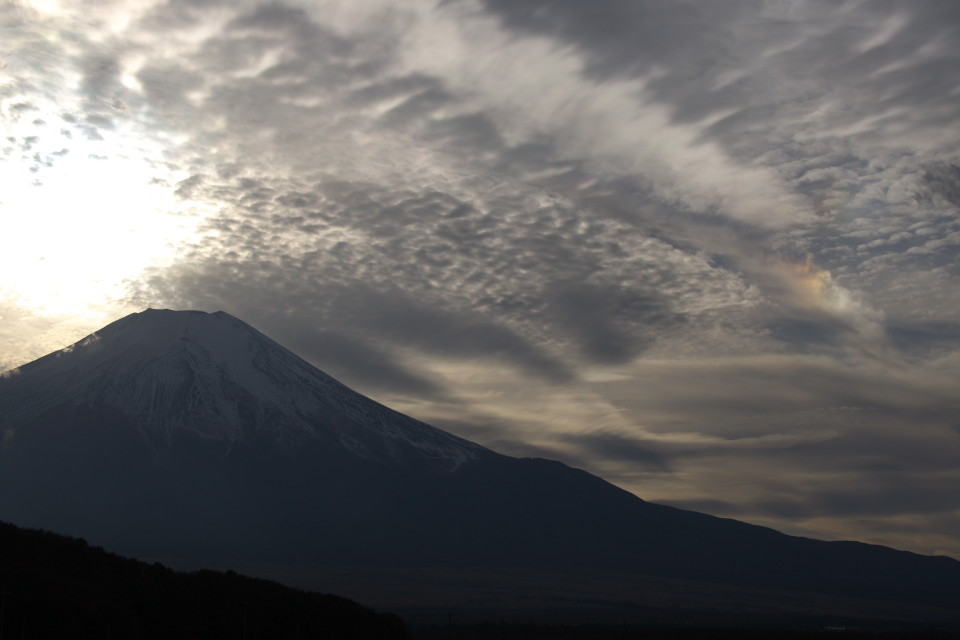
(52, 586)
(522, 631)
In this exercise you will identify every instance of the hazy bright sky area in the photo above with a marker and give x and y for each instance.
(706, 250)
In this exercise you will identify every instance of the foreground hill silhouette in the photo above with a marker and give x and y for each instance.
(55, 586)
(191, 436)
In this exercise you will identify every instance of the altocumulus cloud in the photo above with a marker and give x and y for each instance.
(706, 251)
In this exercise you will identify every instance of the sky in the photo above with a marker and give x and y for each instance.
(705, 250)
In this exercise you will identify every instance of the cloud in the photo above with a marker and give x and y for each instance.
(616, 447)
(346, 357)
(610, 326)
(749, 396)
(941, 180)
(708, 252)
(900, 497)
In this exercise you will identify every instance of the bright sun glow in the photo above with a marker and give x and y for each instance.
(80, 216)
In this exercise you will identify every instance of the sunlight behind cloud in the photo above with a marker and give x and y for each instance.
(80, 218)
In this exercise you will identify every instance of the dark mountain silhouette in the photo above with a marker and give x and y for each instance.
(191, 435)
(54, 586)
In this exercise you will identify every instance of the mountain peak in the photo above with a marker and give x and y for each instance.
(157, 326)
(218, 378)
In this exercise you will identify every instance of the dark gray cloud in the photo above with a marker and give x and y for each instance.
(940, 180)
(611, 326)
(345, 358)
(624, 37)
(897, 498)
(926, 340)
(616, 447)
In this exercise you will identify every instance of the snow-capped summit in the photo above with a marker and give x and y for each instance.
(217, 377)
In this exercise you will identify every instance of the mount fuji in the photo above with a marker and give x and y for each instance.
(191, 436)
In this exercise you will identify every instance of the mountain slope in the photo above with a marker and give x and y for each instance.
(57, 586)
(215, 377)
(191, 435)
